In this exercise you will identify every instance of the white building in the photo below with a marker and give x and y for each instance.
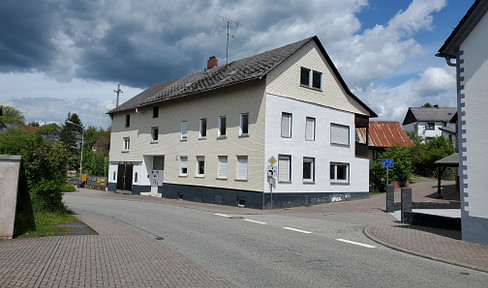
(467, 45)
(429, 122)
(208, 136)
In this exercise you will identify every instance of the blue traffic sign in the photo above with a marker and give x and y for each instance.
(387, 163)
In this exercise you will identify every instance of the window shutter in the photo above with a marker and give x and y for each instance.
(339, 134)
(284, 168)
(242, 167)
(285, 125)
(310, 129)
(222, 167)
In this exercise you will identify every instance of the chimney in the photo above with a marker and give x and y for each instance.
(436, 106)
(212, 62)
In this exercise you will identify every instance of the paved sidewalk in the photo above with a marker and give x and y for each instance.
(118, 257)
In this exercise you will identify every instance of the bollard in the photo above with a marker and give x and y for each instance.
(406, 202)
(390, 199)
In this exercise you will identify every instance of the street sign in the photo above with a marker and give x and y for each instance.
(387, 163)
(272, 160)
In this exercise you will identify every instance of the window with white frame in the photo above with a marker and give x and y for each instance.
(222, 126)
(183, 165)
(126, 143)
(154, 134)
(244, 124)
(339, 173)
(308, 169)
(286, 121)
(284, 168)
(222, 173)
(317, 80)
(304, 76)
(310, 129)
(203, 128)
(339, 134)
(430, 126)
(242, 167)
(200, 166)
(184, 130)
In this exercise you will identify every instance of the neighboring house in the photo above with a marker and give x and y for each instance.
(31, 128)
(103, 143)
(53, 136)
(467, 45)
(383, 134)
(209, 136)
(428, 121)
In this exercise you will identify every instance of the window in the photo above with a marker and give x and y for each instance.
(430, 126)
(184, 130)
(222, 126)
(286, 119)
(203, 128)
(127, 120)
(154, 134)
(136, 176)
(317, 80)
(304, 76)
(339, 172)
(242, 167)
(126, 143)
(200, 166)
(244, 126)
(183, 165)
(310, 129)
(156, 112)
(284, 168)
(339, 134)
(222, 173)
(114, 175)
(308, 169)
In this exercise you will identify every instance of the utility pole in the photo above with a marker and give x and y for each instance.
(227, 48)
(118, 91)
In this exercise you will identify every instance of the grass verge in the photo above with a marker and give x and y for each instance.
(46, 224)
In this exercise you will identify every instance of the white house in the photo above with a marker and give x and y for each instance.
(429, 122)
(467, 45)
(212, 136)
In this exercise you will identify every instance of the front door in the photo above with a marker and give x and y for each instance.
(124, 176)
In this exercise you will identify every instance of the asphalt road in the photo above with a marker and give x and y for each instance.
(278, 250)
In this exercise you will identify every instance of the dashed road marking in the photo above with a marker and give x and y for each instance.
(297, 230)
(356, 243)
(255, 221)
(222, 215)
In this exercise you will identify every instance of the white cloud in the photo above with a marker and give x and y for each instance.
(435, 80)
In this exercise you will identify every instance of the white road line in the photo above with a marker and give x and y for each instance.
(356, 243)
(222, 215)
(297, 230)
(255, 221)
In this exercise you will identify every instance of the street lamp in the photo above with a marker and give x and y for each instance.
(81, 159)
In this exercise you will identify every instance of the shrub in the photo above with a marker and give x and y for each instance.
(401, 171)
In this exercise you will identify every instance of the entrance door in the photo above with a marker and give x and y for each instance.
(124, 176)
(154, 182)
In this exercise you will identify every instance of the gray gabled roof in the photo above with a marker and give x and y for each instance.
(234, 73)
(462, 30)
(430, 114)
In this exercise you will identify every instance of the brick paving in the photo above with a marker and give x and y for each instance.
(118, 257)
(434, 243)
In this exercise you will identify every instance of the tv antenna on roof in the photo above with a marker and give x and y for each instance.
(229, 22)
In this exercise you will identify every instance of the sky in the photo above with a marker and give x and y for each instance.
(67, 56)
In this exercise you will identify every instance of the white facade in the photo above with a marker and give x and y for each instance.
(428, 129)
(473, 119)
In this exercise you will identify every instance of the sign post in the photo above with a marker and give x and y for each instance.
(272, 170)
(388, 163)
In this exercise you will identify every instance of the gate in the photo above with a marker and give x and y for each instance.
(124, 176)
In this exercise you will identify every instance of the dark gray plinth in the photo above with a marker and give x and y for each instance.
(406, 202)
(390, 199)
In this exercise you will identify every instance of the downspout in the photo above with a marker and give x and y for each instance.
(448, 59)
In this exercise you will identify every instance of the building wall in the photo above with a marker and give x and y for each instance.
(472, 106)
(284, 81)
(224, 102)
(425, 133)
(321, 149)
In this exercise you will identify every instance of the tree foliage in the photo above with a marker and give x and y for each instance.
(401, 171)
(425, 154)
(46, 129)
(12, 116)
(67, 134)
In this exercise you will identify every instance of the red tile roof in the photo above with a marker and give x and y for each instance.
(386, 134)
